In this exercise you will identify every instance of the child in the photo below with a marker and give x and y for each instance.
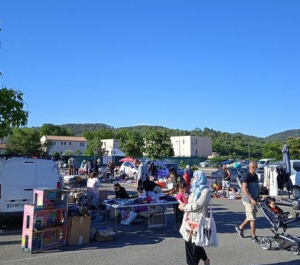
(182, 197)
(274, 208)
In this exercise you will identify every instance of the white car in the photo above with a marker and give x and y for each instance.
(129, 169)
(204, 164)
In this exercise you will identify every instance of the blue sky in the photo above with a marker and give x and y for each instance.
(231, 65)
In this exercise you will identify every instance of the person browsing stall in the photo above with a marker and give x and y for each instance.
(225, 180)
(120, 192)
(250, 190)
(198, 199)
(176, 180)
(141, 175)
(93, 185)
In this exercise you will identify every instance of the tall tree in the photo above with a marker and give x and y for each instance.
(12, 114)
(25, 142)
(272, 150)
(51, 129)
(294, 147)
(131, 143)
(158, 144)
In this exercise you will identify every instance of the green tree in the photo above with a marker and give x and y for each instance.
(94, 144)
(158, 144)
(131, 143)
(12, 114)
(50, 129)
(294, 147)
(56, 155)
(272, 150)
(77, 152)
(68, 152)
(25, 142)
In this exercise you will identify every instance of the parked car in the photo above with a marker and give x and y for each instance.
(162, 170)
(264, 162)
(234, 173)
(205, 163)
(238, 173)
(129, 169)
(179, 169)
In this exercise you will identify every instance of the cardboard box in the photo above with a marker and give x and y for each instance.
(105, 233)
(78, 230)
(71, 199)
(157, 219)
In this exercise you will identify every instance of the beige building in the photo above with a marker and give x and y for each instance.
(186, 146)
(110, 147)
(64, 143)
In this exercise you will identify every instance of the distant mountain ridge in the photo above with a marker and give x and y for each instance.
(80, 128)
(283, 136)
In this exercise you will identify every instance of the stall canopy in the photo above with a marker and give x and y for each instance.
(126, 159)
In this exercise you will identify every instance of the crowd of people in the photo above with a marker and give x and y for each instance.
(193, 195)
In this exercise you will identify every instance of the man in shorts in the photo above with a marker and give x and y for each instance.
(250, 190)
(225, 180)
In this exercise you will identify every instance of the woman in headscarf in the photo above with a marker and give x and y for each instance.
(199, 198)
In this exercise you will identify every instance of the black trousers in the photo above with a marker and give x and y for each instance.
(194, 253)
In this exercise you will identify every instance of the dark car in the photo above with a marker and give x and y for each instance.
(179, 170)
(234, 173)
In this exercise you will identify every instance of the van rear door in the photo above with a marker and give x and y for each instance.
(17, 179)
(47, 174)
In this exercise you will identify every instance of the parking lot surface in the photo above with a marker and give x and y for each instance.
(135, 245)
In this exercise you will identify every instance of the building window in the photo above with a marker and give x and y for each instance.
(70, 143)
(61, 152)
(54, 143)
(81, 144)
(183, 141)
(62, 143)
(65, 143)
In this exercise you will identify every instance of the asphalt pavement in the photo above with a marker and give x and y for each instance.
(135, 245)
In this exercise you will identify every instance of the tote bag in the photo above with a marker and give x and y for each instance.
(207, 231)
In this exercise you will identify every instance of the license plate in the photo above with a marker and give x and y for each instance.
(15, 205)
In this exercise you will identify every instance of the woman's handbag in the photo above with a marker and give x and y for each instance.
(207, 231)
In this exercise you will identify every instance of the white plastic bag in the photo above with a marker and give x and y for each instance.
(130, 217)
(207, 231)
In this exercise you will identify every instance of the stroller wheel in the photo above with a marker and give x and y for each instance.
(265, 243)
(295, 250)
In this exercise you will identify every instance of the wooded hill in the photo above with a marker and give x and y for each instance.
(226, 144)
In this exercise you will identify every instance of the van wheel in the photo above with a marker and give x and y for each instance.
(296, 192)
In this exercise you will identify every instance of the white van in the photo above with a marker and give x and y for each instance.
(18, 178)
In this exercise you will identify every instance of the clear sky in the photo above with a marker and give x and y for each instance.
(228, 65)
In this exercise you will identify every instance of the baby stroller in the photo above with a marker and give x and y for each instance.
(282, 240)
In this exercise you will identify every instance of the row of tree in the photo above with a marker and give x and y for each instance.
(154, 141)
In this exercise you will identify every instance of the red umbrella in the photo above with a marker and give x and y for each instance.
(126, 159)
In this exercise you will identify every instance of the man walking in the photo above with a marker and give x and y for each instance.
(250, 190)
(142, 174)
